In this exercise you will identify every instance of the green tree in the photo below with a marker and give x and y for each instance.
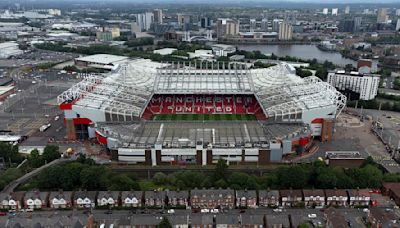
(122, 183)
(94, 178)
(35, 160)
(160, 178)
(50, 153)
(293, 177)
(164, 223)
(221, 171)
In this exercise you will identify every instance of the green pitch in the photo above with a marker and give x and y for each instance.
(204, 117)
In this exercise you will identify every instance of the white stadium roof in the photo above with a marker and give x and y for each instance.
(104, 59)
(283, 95)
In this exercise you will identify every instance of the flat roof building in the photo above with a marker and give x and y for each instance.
(101, 61)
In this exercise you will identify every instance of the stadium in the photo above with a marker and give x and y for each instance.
(196, 113)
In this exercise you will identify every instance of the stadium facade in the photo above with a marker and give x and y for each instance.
(155, 113)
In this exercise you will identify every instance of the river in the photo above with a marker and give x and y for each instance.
(299, 51)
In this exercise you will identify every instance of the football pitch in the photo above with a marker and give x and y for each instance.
(205, 117)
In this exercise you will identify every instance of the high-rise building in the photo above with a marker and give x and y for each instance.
(253, 24)
(104, 36)
(335, 11)
(325, 11)
(347, 10)
(346, 25)
(144, 20)
(205, 22)
(382, 17)
(397, 12)
(285, 31)
(183, 19)
(264, 25)
(227, 27)
(357, 24)
(158, 16)
(275, 24)
(135, 28)
(398, 25)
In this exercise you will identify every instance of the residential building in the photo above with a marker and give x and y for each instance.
(84, 199)
(144, 20)
(177, 198)
(253, 25)
(60, 199)
(264, 25)
(132, 199)
(108, 198)
(291, 197)
(285, 31)
(36, 199)
(227, 27)
(212, 198)
(334, 218)
(158, 16)
(246, 199)
(11, 201)
(275, 24)
(325, 11)
(382, 17)
(359, 197)
(154, 198)
(268, 198)
(380, 218)
(314, 197)
(357, 24)
(354, 85)
(336, 197)
(398, 25)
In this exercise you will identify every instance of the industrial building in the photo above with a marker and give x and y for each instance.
(8, 49)
(148, 112)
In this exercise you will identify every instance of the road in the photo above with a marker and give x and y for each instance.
(10, 187)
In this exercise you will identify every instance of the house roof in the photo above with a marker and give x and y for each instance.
(36, 195)
(85, 194)
(154, 194)
(61, 195)
(335, 192)
(108, 194)
(131, 194)
(385, 218)
(177, 194)
(246, 193)
(313, 192)
(358, 192)
(268, 193)
(202, 219)
(336, 218)
(212, 193)
(291, 193)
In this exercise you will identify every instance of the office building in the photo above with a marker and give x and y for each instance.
(264, 25)
(397, 12)
(335, 11)
(285, 31)
(205, 22)
(104, 36)
(355, 85)
(115, 32)
(325, 11)
(275, 24)
(357, 24)
(158, 16)
(253, 25)
(183, 19)
(135, 28)
(346, 25)
(144, 20)
(347, 10)
(227, 27)
(398, 25)
(382, 17)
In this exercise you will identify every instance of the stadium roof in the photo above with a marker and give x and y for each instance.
(104, 59)
(213, 79)
(127, 90)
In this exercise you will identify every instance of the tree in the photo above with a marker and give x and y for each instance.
(164, 223)
(293, 177)
(160, 178)
(35, 160)
(93, 178)
(221, 171)
(122, 183)
(50, 153)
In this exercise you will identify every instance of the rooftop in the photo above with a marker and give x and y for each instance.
(102, 59)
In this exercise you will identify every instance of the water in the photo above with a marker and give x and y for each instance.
(299, 51)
